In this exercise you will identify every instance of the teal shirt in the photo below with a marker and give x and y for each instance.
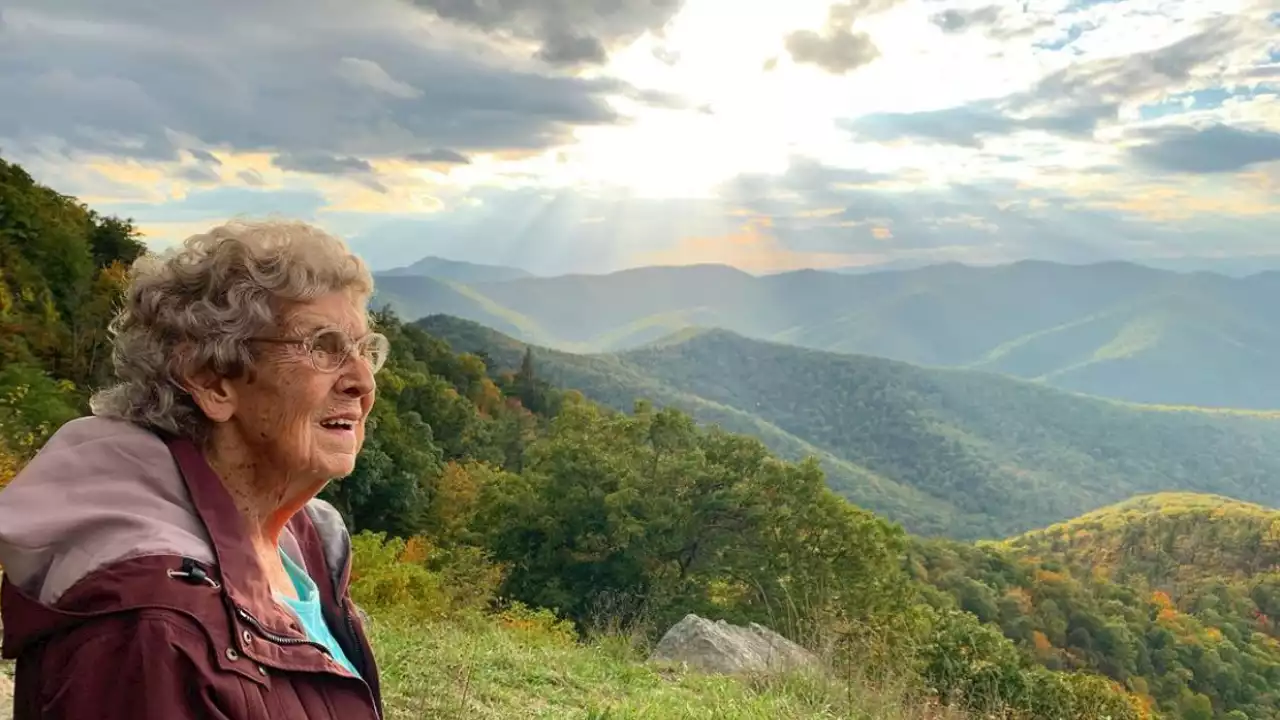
(307, 608)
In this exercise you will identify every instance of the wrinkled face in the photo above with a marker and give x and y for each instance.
(298, 419)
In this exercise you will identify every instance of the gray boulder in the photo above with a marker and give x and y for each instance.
(718, 647)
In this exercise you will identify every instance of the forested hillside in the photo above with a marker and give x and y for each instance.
(1174, 595)
(948, 452)
(504, 500)
(1112, 329)
(62, 267)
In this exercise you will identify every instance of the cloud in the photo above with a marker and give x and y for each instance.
(369, 74)
(567, 32)
(970, 125)
(204, 156)
(198, 175)
(1082, 89)
(964, 126)
(355, 168)
(439, 155)
(753, 248)
(1073, 102)
(568, 48)
(211, 205)
(322, 164)
(1214, 149)
(836, 51)
(489, 129)
(815, 208)
(837, 48)
(374, 79)
(954, 20)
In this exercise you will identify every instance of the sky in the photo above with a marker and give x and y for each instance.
(592, 135)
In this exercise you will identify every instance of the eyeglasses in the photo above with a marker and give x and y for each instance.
(329, 348)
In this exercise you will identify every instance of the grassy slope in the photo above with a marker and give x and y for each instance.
(486, 671)
(482, 670)
(961, 453)
(1113, 329)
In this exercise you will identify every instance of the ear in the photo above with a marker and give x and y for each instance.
(215, 395)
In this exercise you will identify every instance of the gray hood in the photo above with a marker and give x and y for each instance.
(99, 491)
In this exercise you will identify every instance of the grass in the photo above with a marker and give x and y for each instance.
(484, 670)
(6, 689)
(480, 669)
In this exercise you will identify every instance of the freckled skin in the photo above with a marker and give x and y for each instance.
(267, 443)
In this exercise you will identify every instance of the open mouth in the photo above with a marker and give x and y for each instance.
(342, 426)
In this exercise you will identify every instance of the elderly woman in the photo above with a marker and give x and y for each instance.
(167, 556)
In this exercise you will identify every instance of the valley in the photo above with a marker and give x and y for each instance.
(958, 453)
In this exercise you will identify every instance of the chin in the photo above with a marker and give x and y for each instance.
(338, 466)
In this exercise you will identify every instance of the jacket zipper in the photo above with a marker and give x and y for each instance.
(284, 640)
(355, 637)
(276, 638)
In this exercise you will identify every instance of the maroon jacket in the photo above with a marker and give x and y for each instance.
(130, 592)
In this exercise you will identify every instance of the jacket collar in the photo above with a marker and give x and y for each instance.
(237, 566)
(315, 537)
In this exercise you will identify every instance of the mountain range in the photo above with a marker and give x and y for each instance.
(461, 271)
(959, 453)
(1110, 329)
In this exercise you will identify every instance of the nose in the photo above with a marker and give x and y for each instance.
(356, 379)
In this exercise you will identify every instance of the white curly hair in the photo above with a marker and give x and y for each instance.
(194, 307)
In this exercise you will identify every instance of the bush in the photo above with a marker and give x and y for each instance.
(973, 666)
(32, 406)
(406, 578)
(538, 625)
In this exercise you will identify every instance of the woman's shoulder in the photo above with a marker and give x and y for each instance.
(322, 534)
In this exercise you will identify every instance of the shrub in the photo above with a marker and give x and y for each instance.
(539, 625)
(407, 578)
(973, 666)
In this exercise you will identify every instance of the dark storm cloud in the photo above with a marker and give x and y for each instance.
(568, 32)
(1213, 149)
(837, 48)
(140, 79)
(1072, 102)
